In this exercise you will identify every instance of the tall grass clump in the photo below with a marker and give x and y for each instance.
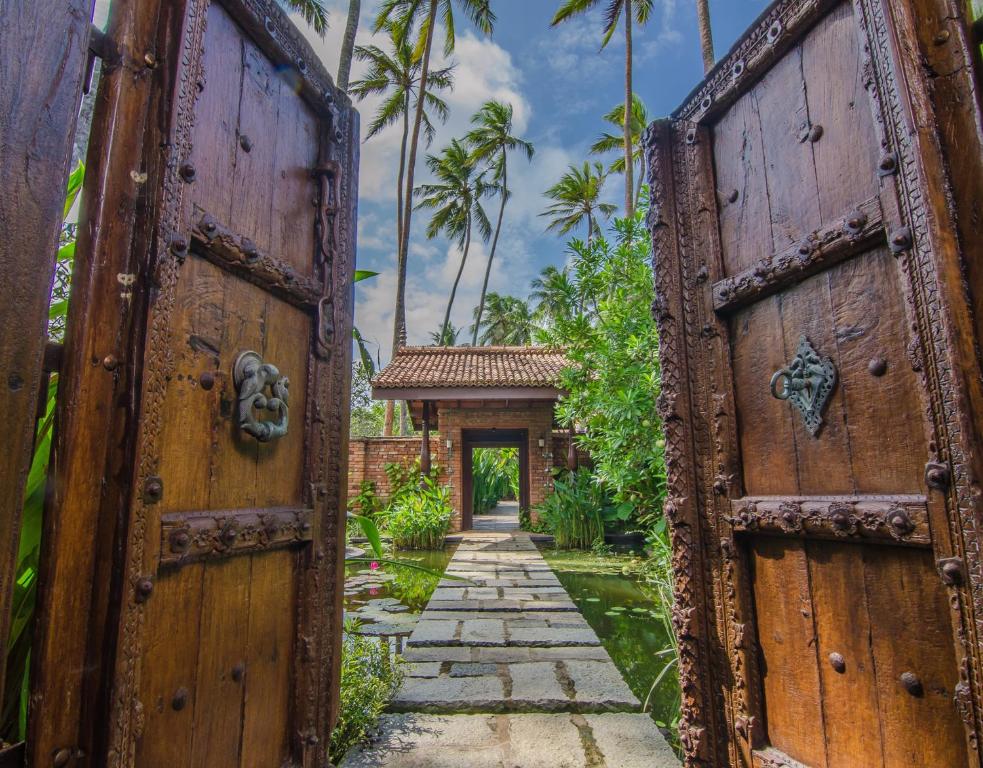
(496, 477)
(421, 518)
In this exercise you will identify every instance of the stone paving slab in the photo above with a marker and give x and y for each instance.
(503, 671)
(515, 741)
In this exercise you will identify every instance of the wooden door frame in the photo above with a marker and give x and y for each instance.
(722, 718)
(491, 438)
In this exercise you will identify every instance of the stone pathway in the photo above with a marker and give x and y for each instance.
(502, 671)
(504, 518)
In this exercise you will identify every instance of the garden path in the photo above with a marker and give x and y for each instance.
(503, 672)
(503, 518)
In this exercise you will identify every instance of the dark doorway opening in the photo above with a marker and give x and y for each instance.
(491, 438)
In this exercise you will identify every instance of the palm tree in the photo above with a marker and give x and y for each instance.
(613, 10)
(348, 43)
(455, 199)
(706, 35)
(554, 294)
(492, 140)
(404, 16)
(576, 200)
(396, 75)
(313, 11)
(445, 336)
(508, 321)
(608, 142)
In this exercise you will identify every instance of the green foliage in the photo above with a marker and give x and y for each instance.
(504, 320)
(526, 523)
(367, 501)
(314, 12)
(420, 518)
(496, 477)
(612, 382)
(13, 718)
(577, 200)
(572, 513)
(367, 415)
(369, 680)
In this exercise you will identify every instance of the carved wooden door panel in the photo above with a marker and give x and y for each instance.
(809, 404)
(223, 638)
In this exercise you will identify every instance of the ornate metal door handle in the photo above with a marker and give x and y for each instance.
(807, 383)
(251, 377)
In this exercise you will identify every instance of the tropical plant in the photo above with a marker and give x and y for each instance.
(495, 476)
(369, 679)
(395, 74)
(508, 321)
(641, 10)
(13, 717)
(421, 518)
(612, 382)
(608, 142)
(659, 579)
(491, 140)
(455, 199)
(577, 200)
(366, 415)
(348, 43)
(555, 295)
(313, 11)
(406, 17)
(572, 512)
(445, 336)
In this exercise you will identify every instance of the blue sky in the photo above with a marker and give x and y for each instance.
(560, 85)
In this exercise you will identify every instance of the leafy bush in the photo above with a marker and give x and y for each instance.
(367, 501)
(420, 518)
(407, 478)
(613, 380)
(369, 680)
(496, 477)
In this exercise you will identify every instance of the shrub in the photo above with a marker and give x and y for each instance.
(526, 523)
(369, 679)
(572, 513)
(496, 477)
(420, 519)
(367, 501)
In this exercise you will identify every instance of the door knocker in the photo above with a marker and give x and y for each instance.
(807, 383)
(251, 377)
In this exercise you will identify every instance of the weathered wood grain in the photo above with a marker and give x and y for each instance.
(43, 51)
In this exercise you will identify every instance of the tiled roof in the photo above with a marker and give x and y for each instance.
(438, 367)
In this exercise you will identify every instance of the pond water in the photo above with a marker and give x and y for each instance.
(627, 617)
(388, 600)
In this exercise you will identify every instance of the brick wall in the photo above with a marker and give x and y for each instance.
(368, 457)
(560, 441)
(535, 417)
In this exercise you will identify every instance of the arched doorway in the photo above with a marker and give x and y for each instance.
(491, 438)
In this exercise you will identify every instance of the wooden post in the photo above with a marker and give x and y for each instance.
(425, 443)
(44, 45)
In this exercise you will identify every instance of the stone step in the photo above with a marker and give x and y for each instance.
(534, 686)
(515, 741)
(480, 632)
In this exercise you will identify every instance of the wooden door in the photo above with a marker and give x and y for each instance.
(195, 551)
(818, 368)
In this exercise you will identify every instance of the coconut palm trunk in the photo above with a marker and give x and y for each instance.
(399, 317)
(706, 33)
(629, 160)
(457, 279)
(494, 245)
(404, 235)
(348, 43)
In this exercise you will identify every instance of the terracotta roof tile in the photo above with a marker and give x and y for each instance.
(422, 367)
